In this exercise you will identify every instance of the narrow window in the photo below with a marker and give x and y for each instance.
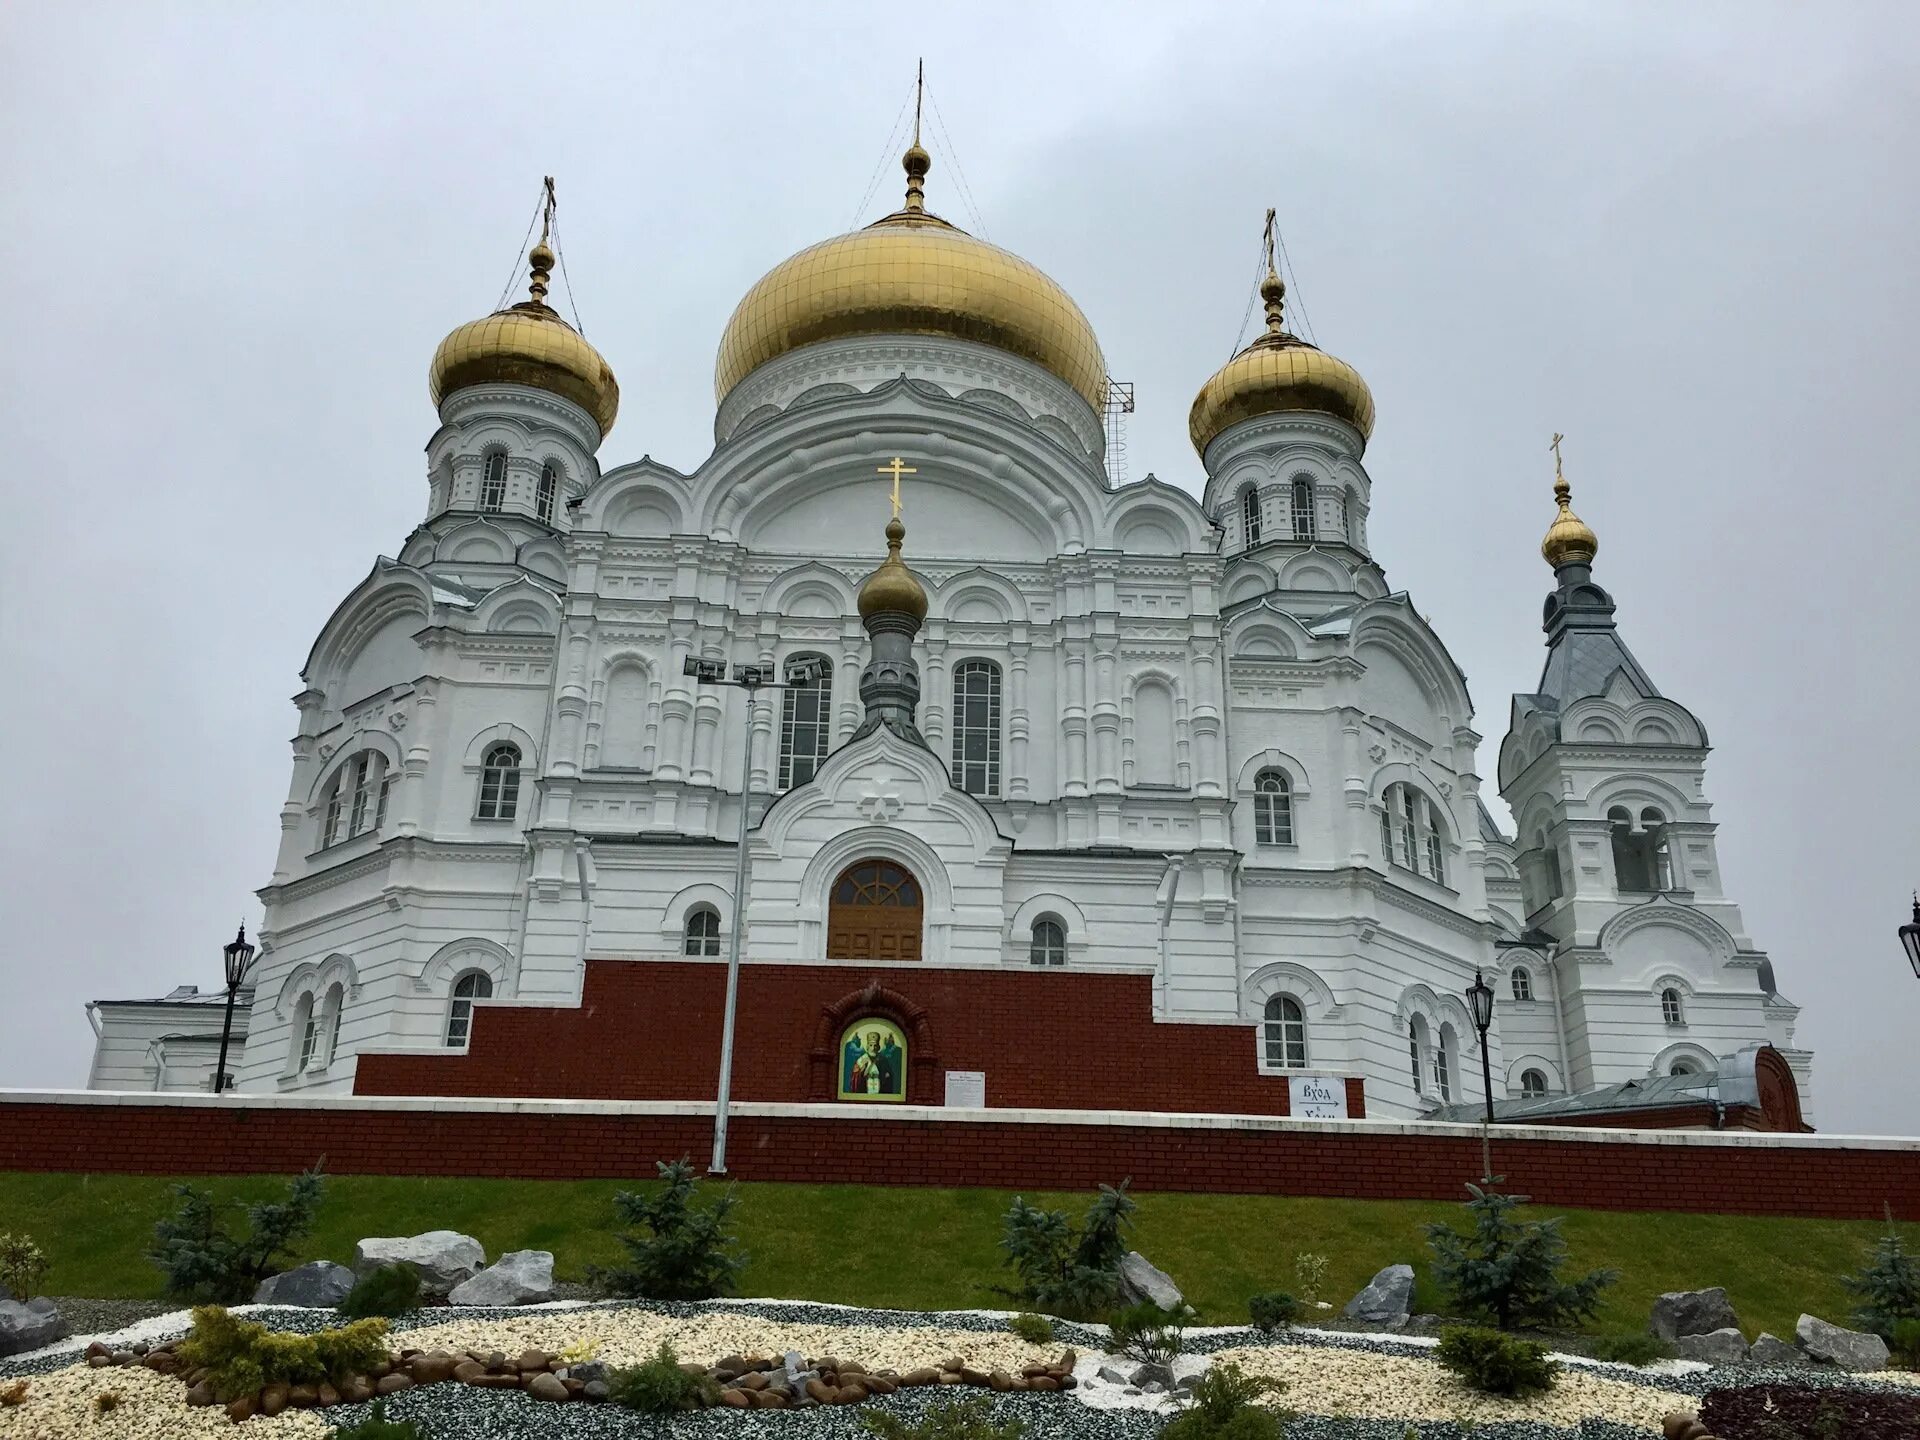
(1522, 983)
(1302, 508)
(976, 727)
(1670, 1009)
(1272, 808)
(500, 783)
(1346, 518)
(362, 792)
(1443, 1063)
(1049, 944)
(1413, 1054)
(493, 484)
(1386, 829)
(703, 932)
(330, 828)
(805, 720)
(381, 795)
(1409, 836)
(1286, 1034)
(1436, 846)
(1250, 514)
(1659, 853)
(549, 487)
(330, 1014)
(468, 988)
(309, 1035)
(1533, 1084)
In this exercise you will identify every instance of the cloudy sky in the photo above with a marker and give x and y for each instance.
(1683, 235)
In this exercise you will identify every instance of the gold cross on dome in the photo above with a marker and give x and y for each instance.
(1555, 447)
(896, 468)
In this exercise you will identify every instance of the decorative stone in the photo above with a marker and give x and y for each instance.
(99, 1362)
(432, 1369)
(1046, 1382)
(924, 1375)
(972, 1375)
(1772, 1350)
(548, 1387)
(1677, 1422)
(357, 1390)
(241, 1409)
(441, 1258)
(596, 1392)
(819, 1391)
(320, 1285)
(275, 1397)
(495, 1382)
(1000, 1380)
(393, 1384)
(531, 1360)
(30, 1325)
(1716, 1347)
(328, 1395)
(1847, 1349)
(304, 1397)
(521, 1277)
(1692, 1312)
(468, 1371)
(201, 1394)
(1387, 1299)
(1141, 1279)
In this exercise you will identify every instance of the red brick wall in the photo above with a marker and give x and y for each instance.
(1048, 1039)
(1803, 1176)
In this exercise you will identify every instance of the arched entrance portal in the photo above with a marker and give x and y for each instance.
(874, 912)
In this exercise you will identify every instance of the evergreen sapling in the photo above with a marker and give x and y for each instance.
(1510, 1269)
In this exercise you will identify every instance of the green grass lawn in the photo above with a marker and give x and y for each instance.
(937, 1249)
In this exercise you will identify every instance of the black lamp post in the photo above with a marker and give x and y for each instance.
(1480, 999)
(1910, 938)
(238, 957)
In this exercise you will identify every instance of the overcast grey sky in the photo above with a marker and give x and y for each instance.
(1683, 235)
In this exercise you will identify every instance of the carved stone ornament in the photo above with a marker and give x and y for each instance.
(1376, 753)
(880, 808)
(326, 749)
(397, 721)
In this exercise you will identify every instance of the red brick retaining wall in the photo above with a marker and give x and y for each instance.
(1826, 1176)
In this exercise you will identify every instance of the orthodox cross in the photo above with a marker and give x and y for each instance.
(1267, 237)
(919, 93)
(1555, 447)
(896, 468)
(546, 210)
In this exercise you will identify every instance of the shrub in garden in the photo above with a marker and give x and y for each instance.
(684, 1252)
(1632, 1347)
(943, 1420)
(1146, 1333)
(1904, 1343)
(1510, 1269)
(1275, 1310)
(1071, 1272)
(241, 1356)
(377, 1427)
(1793, 1412)
(1495, 1364)
(659, 1386)
(387, 1290)
(1226, 1407)
(13, 1393)
(204, 1261)
(1310, 1274)
(1887, 1287)
(22, 1266)
(106, 1402)
(1034, 1329)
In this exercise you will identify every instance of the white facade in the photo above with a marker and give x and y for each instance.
(169, 1043)
(1235, 761)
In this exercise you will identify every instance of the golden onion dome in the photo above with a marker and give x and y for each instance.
(1570, 540)
(528, 344)
(1276, 374)
(891, 589)
(912, 273)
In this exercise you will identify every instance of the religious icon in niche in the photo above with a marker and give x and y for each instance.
(873, 1061)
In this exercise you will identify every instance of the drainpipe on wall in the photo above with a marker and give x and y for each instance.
(1560, 1024)
(583, 863)
(1163, 897)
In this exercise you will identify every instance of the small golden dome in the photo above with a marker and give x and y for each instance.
(1276, 374)
(892, 590)
(1570, 541)
(912, 273)
(528, 344)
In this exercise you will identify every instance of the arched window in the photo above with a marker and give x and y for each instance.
(330, 826)
(1416, 1046)
(500, 782)
(1272, 808)
(549, 487)
(1346, 518)
(302, 1035)
(1250, 514)
(1671, 1009)
(362, 792)
(1443, 1062)
(976, 727)
(1533, 1084)
(309, 1033)
(703, 932)
(1303, 528)
(336, 1001)
(1049, 943)
(1684, 1066)
(1412, 832)
(380, 798)
(493, 482)
(1286, 1033)
(468, 988)
(1642, 858)
(805, 720)
(1522, 983)
(1660, 854)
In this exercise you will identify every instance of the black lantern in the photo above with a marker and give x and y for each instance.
(1480, 999)
(1910, 938)
(237, 957)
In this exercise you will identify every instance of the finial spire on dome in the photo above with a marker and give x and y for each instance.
(1569, 541)
(540, 258)
(1273, 290)
(917, 161)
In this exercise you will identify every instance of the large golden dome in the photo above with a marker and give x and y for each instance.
(912, 273)
(528, 344)
(1276, 374)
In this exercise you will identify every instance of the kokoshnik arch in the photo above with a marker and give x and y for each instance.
(1104, 796)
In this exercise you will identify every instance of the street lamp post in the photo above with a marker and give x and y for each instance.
(750, 678)
(1910, 937)
(237, 958)
(1480, 997)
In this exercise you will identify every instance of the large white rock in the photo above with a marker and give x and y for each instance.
(520, 1277)
(319, 1285)
(1692, 1312)
(441, 1258)
(1386, 1299)
(1832, 1345)
(29, 1326)
(1716, 1347)
(1141, 1279)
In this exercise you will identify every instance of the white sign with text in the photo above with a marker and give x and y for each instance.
(967, 1089)
(1313, 1097)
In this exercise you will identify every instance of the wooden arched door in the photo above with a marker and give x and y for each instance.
(874, 912)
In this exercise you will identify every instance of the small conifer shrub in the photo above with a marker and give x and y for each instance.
(378, 1427)
(242, 1356)
(1510, 1269)
(1034, 1329)
(1632, 1347)
(1226, 1407)
(943, 1420)
(1887, 1287)
(205, 1261)
(683, 1251)
(386, 1290)
(1066, 1270)
(1275, 1310)
(660, 1386)
(1496, 1364)
(1146, 1333)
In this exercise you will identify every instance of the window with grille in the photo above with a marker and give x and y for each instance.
(1412, 834)
(549, 487)
(1272, 808)
(805, 721)
(1533, 1084)
(493, 482)
(1522, 983)
(1670, 1007)
(1286, 1034)
(500, 783)
(1049, 943)
(703, 932)
(468, 988)
(1250, 514)
(1303, 508)
(976, 727)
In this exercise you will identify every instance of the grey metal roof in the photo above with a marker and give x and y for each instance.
(1732, 1084)
(191, 995)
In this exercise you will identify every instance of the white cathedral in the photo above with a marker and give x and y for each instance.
(1069, 728)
